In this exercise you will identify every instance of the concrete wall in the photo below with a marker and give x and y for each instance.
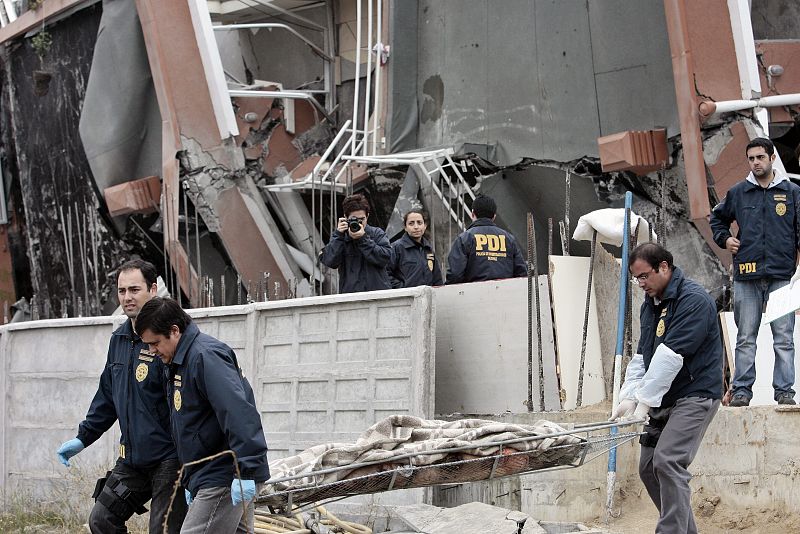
(323, 369)
(749, 459)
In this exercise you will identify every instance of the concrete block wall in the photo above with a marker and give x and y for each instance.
(327, 372)
(323, 369)
(749, 458)
(50, 374)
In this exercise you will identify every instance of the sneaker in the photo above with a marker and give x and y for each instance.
(739, 400)
(786, 398)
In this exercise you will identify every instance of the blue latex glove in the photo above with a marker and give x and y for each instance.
(68, 449)
(188, 495)
(244, 492)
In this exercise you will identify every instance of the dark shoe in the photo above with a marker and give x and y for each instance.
(739, 400)
(785, 398)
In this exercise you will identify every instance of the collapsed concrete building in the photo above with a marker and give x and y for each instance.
(217, 139)
(239, 110)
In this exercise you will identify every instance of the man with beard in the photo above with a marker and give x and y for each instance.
(766, 208)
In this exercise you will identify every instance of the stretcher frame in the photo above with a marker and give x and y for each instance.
(590, 446)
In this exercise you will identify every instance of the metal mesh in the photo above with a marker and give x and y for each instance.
(454, 469)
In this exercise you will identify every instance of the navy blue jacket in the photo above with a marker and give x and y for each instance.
(690, 328)
(213, 410)
(414, 264)
(131, 390)
(769, 229)
(361, 262)
(484, 252)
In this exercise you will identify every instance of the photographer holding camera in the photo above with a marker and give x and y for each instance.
(359, 251)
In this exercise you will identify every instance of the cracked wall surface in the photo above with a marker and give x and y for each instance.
(51, 169)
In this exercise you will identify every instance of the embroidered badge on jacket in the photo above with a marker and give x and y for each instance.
(141, 372)
(660, 328)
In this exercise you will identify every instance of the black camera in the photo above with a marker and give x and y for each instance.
(354, 224)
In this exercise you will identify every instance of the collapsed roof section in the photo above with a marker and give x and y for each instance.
(257, 116)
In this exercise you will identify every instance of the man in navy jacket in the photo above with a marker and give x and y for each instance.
(484, 251)
(361, 255)
(131, 391)
(212, 410)
(675, 378)
(766, 207)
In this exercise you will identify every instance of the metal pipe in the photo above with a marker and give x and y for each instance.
(377, 113)
(530, 311)
(709, 107)
(197, 251)
(82, 229)
(567, 181)
(314, 174)
(357, 76)
(330, 149)
(296, 95)
(317, 50)
(579, 398)
(190, 292)
(289, 13)
(330, 46)
(95, 233)
(611, 476)
(368, 85)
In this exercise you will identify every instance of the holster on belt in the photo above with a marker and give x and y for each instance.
(652, 431)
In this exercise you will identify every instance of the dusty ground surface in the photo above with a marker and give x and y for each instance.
(638, 516)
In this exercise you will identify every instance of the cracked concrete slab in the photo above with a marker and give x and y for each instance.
(281, 151)
(470, 517)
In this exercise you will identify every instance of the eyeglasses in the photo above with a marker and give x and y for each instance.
(642, 277)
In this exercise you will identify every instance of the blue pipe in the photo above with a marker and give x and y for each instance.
(623, 297)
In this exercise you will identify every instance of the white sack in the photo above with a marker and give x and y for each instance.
(609, 223)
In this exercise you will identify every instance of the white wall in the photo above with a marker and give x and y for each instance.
(482, 348)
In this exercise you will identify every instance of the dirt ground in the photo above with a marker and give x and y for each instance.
(638, 516)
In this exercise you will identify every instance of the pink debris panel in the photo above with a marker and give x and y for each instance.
(137, 196)
(636, 151)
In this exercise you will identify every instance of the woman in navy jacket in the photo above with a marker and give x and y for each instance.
(413, 262)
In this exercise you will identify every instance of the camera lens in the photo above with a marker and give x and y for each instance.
(354, 225)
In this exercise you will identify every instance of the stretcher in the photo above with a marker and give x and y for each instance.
(459, 465)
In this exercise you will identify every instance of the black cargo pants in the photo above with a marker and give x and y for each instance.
(127, 490)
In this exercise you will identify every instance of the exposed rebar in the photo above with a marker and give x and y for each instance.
(579, 398)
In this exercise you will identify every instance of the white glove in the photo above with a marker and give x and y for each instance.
(795, 276)
(641, 411)
(624, 409)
